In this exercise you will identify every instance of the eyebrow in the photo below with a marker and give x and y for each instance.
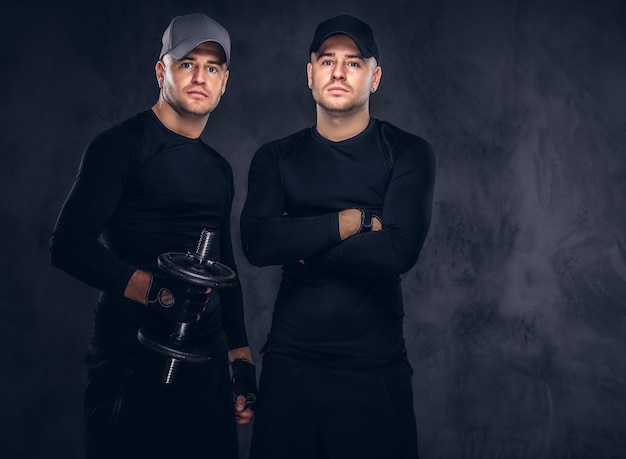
(349, 56)
(192, 58)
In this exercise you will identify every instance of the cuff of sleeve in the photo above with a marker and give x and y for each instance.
(238, 340)
(122, 279)
(334, 227)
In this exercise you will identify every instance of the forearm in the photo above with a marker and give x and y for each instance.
(83, 257)
(285, 240)
(276, 241)
(232, 316)
(406, 217)
(373, 253)
(268, 235)
(232, 311)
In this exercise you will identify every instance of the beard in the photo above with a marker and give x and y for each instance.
(338, 106)
(170, 95)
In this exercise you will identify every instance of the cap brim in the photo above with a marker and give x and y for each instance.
(187, 46)
(356, 41)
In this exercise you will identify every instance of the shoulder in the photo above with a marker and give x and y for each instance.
(114, 149)
(121, 138)
(404, 148)
(401, 140)
(276, 149)
(287, 142)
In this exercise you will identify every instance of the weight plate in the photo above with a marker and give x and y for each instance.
(159, 339)
(189, 268)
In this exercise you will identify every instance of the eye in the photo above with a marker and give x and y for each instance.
(186, 65)
(327, 62)
(211, 69)
(353, 64)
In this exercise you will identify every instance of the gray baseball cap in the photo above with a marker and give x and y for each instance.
(186, 32)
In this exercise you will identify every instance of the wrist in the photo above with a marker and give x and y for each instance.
(138, 286)
(349, 222)
(244, 381)
(240, 353)
(367, 221)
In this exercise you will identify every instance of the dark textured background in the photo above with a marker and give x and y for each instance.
(516, 311)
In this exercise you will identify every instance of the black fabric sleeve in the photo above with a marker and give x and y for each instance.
(233, 322)
(269, 237)
(406, 217)
(74, 246)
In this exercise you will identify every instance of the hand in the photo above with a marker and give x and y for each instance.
(244, 389)
(176, 300)
(349, 223)
(243, 415)
(356, 221)
(370, 221)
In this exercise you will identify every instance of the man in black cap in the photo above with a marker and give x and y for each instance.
(345, 207)
(146, 186)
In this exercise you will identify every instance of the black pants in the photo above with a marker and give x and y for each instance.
(307, 411)
(130, 413)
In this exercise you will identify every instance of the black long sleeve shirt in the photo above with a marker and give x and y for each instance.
(344, 305)
(142, 190)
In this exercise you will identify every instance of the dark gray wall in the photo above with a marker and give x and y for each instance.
(516, 311)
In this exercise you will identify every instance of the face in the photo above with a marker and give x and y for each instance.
(194, 84)
(341, 79)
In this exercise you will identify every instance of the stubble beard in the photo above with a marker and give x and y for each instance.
(184, 107)
(342, 107)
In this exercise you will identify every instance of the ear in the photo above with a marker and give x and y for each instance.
(159, 70)
(378, 74)
(309, 69)
(226, 74)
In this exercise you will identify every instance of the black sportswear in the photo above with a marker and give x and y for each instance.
(340, 302)
(142, 190)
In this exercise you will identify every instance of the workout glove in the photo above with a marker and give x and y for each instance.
(178, 301)
(244, 381)
(366, 220)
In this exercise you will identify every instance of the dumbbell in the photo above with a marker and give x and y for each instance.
(196, 269)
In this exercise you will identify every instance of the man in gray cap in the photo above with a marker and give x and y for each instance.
(146, 186)
(345, 207)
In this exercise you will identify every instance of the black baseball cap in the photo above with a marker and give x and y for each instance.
(361, 34)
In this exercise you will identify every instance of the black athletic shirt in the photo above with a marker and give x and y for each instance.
(344, 306)
(142, 190)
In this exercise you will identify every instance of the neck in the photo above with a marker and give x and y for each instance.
(338, 126)
(184, 124)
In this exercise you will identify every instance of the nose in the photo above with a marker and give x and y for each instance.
(198, 75)
(338, 72)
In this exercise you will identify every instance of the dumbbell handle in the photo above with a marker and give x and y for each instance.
(205, 244)
(172, 364)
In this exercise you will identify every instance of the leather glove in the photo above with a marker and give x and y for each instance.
(176, 300)
(244, 381)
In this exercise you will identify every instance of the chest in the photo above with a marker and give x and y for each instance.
(178, 180)
(324, 179)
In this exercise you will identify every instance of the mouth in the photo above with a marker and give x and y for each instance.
(337, 89)
(198, 94)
